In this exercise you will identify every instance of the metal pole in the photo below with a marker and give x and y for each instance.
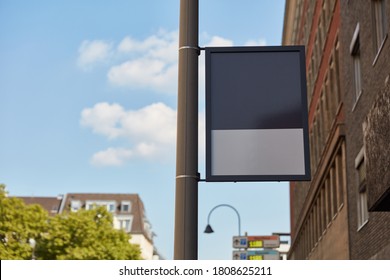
(186, 204)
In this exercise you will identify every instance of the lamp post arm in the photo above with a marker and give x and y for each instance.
(235, 210)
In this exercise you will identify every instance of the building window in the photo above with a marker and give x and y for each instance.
(111, 207)
(335, 71)
(322, 198)
(328, 200)
(341, 176)
(355, 52)
(125, 206)
(125, 224)
(75, 205)
(92, 204)
(378, 23)
(54, 209)
(89, 206)
(362, 208)
(357, 69)
(148, 229)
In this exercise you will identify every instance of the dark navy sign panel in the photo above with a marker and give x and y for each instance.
(256, 114)
(253, 90)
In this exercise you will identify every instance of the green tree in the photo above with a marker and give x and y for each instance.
(86, 234)
(73, 236)
(19, 223)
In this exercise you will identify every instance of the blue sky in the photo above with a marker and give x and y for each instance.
(88, 93)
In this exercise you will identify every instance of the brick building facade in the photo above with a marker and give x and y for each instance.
(365, 75)
(329, 215)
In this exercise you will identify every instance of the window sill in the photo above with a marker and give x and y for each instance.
(379, 50)
(357, 101)
(362, 225)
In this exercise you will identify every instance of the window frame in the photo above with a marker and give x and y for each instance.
(126, 203)
(75, 205)
(361, 191)
(354, 50)
(122, 223)
(109, 204)
(379, 26)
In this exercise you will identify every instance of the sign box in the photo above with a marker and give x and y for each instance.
(271, 241)
(256, 114)
(256, 255)
(267, 241)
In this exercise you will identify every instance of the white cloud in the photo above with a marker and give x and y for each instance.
(153, 63)
(161, 46)
(104, 119)
(111, 157)
(145, 150)
(217, 41)
(119, 156)
(151, 73)
(151, 131)
(259, 42)
(153, 123)
(129, 44)
(92, 52)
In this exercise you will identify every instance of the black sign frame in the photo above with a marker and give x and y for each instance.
(300, 96)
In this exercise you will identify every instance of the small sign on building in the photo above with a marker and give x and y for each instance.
(256, 255)
(256, 241)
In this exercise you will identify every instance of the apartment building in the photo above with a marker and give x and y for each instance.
(51, 204)
(329, 215)
(127, 209)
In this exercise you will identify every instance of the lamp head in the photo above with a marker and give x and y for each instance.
(208, 229)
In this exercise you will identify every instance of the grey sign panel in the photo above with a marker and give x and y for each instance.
(256, 114)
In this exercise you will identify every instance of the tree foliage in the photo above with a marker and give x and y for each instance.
(86, 234)
(19, 223)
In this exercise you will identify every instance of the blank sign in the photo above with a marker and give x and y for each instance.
(256, 114)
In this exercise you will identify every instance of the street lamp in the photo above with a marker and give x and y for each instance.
(209, 228)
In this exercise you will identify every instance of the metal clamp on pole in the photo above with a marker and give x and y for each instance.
(197, 177)
(188, 176)
(198, 49)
